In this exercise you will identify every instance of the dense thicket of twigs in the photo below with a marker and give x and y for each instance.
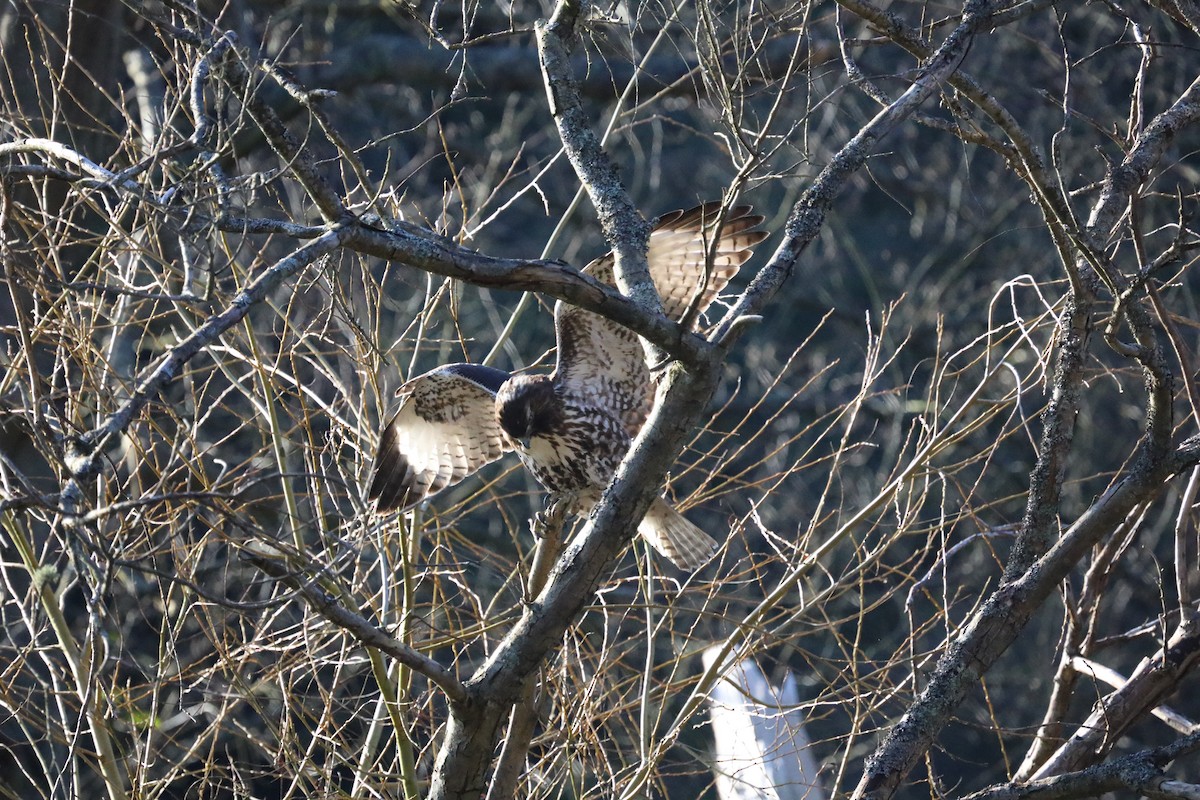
(954, 464)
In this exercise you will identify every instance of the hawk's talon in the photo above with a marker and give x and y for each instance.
(545, 522)
(538, 524)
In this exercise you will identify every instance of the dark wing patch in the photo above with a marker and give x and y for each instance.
(444, 430)
(603, 360)
(489, 378)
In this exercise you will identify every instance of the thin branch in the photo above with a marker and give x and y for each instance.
(85, 455)
(274, 561)
(1100, 672)
(1151, 682)
(808, 214)
(298, 159)
(1003, 615)
(997, 623)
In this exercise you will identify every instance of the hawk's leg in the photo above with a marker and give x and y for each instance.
(547, 527)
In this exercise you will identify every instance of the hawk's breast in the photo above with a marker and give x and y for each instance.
(582, 452)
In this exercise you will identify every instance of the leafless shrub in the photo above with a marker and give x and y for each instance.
(954, 463)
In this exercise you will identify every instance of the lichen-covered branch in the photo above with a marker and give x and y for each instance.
(998, 622)
(475, 724)
(1141, 772)
(624, 228)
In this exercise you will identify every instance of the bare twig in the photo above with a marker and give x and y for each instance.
(274, 561)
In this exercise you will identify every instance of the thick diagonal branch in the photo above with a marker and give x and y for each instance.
(1155, 678)
(475, 723)
(467, 751)
(1030, 579)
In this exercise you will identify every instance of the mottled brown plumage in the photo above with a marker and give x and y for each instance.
(570, 428)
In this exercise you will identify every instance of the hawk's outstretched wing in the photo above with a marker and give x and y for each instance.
(444, 430)
(603, 360)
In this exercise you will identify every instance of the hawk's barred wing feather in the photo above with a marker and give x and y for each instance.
(679, 246)
(603, 360)
(444, 430)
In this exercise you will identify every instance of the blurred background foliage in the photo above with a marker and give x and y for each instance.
(933, 268)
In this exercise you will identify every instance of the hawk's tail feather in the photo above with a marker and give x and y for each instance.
(669, 532)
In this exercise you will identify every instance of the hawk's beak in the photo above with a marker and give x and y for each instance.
(524, 440)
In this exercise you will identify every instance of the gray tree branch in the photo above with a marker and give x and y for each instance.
(808, 214)
(624, 228)
(85, 454)
(998, 621)
(1155, 678)
(1140, 772)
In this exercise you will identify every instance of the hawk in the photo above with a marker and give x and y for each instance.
(570, 428)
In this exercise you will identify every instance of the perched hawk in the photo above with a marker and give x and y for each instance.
(570, 428)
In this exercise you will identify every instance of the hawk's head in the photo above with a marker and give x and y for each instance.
(527, 406)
